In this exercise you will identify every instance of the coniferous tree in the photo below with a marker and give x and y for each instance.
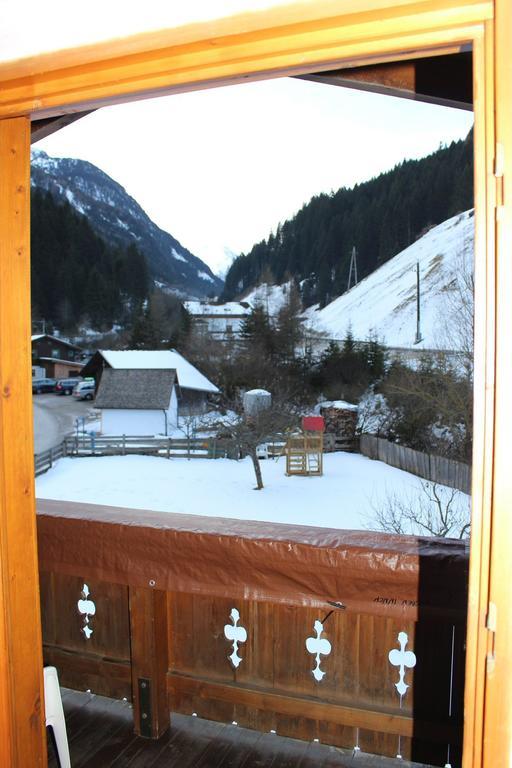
(380, 217)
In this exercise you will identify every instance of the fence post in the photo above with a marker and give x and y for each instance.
(168, 447)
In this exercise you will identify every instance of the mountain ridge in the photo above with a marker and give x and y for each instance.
(121, 221)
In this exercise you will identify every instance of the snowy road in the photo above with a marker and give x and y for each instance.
(54, 417)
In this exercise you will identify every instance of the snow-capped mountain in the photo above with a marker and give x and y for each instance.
(119, 219)
(385, 304)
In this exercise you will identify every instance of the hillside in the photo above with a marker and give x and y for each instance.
(384, 303)
(76, 277)
(379, 217)
(120, 221)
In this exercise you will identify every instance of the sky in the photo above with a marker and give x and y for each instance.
(219, 169)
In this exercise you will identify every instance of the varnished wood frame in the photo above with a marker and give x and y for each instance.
(288, 40)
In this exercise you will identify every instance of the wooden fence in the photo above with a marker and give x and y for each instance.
(122, 445)
(437, 469)
(45, 460)
(352, 638)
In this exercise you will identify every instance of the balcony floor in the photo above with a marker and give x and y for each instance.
(100, 734)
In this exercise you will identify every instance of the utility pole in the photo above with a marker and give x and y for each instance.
(353, 268)
(419, 337)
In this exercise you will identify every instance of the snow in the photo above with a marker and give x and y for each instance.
(343, 498)
(272, 297)
(232, 308)
(177, 255)
(205, 276)
(384, 303)
(338, 404)
(188, 376)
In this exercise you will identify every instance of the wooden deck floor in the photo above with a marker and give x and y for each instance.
(100, 734)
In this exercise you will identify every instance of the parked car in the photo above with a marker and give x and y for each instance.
(84, 390)
(43, 385)
(66, 386)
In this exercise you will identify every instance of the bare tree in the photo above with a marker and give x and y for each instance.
(456, 330)
(433, 511)
(250, 431)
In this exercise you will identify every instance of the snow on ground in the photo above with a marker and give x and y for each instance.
(344, 497)
(271, 297)
(384, 303)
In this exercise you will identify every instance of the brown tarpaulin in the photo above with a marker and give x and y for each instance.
(366, 571)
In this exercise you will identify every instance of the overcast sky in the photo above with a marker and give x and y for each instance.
(219, 169)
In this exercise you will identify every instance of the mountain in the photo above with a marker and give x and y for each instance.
(76, 277)
(120, 221)
(379, 217)
(384, 303)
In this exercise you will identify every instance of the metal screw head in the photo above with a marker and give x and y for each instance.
(152, 582)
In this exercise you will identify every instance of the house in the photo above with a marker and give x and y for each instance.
(221, 321)
(194, 387)
(59, 358)
(138, 401)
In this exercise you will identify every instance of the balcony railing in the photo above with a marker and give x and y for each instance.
(353, 638)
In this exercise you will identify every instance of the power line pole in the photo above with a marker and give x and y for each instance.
(419, 337)
(353, 268)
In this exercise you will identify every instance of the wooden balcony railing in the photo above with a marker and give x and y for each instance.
(276, 627)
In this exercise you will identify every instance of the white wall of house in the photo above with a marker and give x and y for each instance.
(131, 421)
(172, 412)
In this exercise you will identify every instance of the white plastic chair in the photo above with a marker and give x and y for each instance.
(55, 715)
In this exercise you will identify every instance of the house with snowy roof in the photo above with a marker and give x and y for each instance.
(194, 388)
(138, 401)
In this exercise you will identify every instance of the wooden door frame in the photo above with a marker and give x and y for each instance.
(282, 41)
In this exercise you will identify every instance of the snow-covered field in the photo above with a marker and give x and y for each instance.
(384, 303)
(346, 497)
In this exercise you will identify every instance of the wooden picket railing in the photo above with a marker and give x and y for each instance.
(437, 469)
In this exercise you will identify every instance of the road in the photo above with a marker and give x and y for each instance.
(54, 417)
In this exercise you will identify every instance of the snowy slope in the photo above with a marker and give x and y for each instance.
(385, 302)
(272, 297)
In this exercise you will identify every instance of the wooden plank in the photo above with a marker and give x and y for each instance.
(498, 695)
(371, 719)
(484, 383)
(419, 79)
(96, 674)
(164, 63)
(149, 643)
(22, 733)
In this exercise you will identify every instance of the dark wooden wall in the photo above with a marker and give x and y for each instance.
(167, 650)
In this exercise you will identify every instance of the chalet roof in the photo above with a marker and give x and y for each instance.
(136, 389)
(38, 336)
(188, 375)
